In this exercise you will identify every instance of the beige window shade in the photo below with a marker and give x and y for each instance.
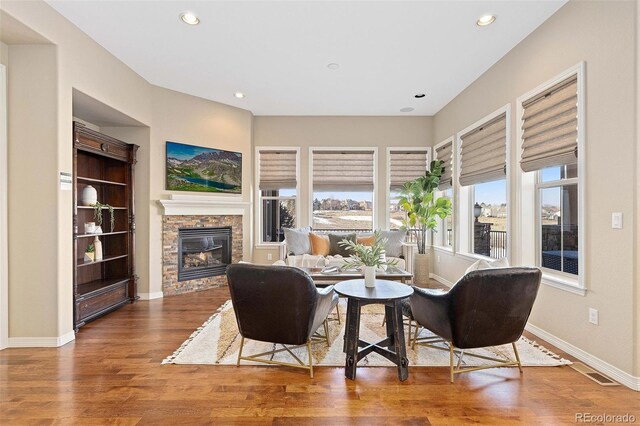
(343, 170)
(277, 170)
(444, 153)
(550, 127)
(483, 152)
(405, 166)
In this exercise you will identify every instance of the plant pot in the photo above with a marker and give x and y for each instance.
(421, 269)
(369, 276)
(89, 196)
(89, 257)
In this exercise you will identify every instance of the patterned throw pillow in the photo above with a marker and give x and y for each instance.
(298, 240)
(393, 246)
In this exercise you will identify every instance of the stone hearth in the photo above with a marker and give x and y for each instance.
(170, 226)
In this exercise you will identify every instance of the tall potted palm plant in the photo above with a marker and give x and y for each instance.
(417, 198)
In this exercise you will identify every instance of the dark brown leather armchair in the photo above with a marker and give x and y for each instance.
(484, 308)
(279, 304)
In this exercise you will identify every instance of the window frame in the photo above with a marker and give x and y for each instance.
(259, 198)
(465, 194)
(529, 192)
(387, 213)
(438, 243)
(374, 206)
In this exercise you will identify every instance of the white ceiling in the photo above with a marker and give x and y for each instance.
(277, 52)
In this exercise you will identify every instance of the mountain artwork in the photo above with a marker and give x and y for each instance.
(195, 168)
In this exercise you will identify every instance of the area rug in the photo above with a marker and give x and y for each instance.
(217, 342)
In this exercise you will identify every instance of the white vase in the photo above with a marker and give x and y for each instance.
(369, 276)
(97, 244)
(89, 196)
(421, 269)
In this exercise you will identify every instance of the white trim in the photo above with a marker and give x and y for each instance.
(563, 284)
(312, 149)
(41, 342)
(441, 280)
(580, 71)
(387, 181)
(451, 139)
(257, 199)
(505, 109)
(151, 296)
(203, 206)
(604, 367)
(444, 249)
(4, 244)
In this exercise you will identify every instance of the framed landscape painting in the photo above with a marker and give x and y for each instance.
(196, 168)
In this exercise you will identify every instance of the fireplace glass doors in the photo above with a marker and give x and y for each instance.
(203, 252)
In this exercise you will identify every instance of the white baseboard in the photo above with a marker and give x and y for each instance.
(41, 342)
(604, 367)
(151, 296)
(441, 280)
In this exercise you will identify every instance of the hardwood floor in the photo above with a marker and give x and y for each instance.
(112, 374)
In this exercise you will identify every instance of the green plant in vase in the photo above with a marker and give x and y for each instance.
(369, 258)
(89, 253)
(97, 214)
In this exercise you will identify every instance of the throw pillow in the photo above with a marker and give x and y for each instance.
(319, 244)
(298, 240)
(488, 264)
(279, 263)
(336, 248)
(393, 246)
(369, 240)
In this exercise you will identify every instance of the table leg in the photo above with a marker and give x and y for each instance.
(388, 311)
(353, 321)
(345, 338)
(398, 337)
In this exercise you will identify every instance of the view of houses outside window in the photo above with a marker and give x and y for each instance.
(446, 226)
(278, 212)
(490, 238)
(396, 214)
(343, 211)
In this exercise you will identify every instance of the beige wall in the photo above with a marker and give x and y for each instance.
(305, 132)
(636, 321)
(602, 34)
(187, 119)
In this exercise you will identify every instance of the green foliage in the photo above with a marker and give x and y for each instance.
(90, 249)
(97, 214)
(366, 255)
(417, 199)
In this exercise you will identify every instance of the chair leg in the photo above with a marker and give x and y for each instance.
(338, 312)
(240, 352)
(409, 334)
(451, 362)
(515, 350)
(460, 359)
(310, 358)
(326, 332)
(384, 320)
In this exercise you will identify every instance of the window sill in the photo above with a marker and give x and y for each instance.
(267, 246)
(565, 284)
(444, 249)
(475, 257)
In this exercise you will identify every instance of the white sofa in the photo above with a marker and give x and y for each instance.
(310, 261)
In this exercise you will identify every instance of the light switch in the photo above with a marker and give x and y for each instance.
(616, 220)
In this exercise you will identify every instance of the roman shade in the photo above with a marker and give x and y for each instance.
(343, 170)
(483, 152)
(277, 170)
(405, 166)
(444, 153)
(550, 127)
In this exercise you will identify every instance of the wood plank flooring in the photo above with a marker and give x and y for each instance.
(111, 374)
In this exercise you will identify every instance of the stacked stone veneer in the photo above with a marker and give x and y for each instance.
(170, 226)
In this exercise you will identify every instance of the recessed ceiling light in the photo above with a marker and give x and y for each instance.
(189, 18)
(485, 20)
(333, 66)
(239, 95)
(419, 95)
(406, 109)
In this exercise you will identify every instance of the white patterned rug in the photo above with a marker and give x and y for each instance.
(217, 341)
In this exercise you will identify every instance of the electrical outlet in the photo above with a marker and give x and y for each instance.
(593, 316)
(438, 259)
(269, 256)
(616, 220)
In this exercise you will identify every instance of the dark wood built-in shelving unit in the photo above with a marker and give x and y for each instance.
(107, 164)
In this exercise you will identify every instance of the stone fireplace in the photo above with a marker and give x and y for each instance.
(203, 252)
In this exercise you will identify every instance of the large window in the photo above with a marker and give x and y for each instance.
(343, 190)
(404, 165)
(557, 190)
(444, 152)
(277, 181)
(483, 178)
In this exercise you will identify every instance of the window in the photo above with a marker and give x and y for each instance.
(343, 189)
(405, 164)
(444, 153)
(551, 137)
(277, 181)
(483, 172)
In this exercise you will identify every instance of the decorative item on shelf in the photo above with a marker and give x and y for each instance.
(89, 253)
(98, 248)
(417, 198)
(97, 214)
(368, 258)
(89, 227)
(89, 196)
